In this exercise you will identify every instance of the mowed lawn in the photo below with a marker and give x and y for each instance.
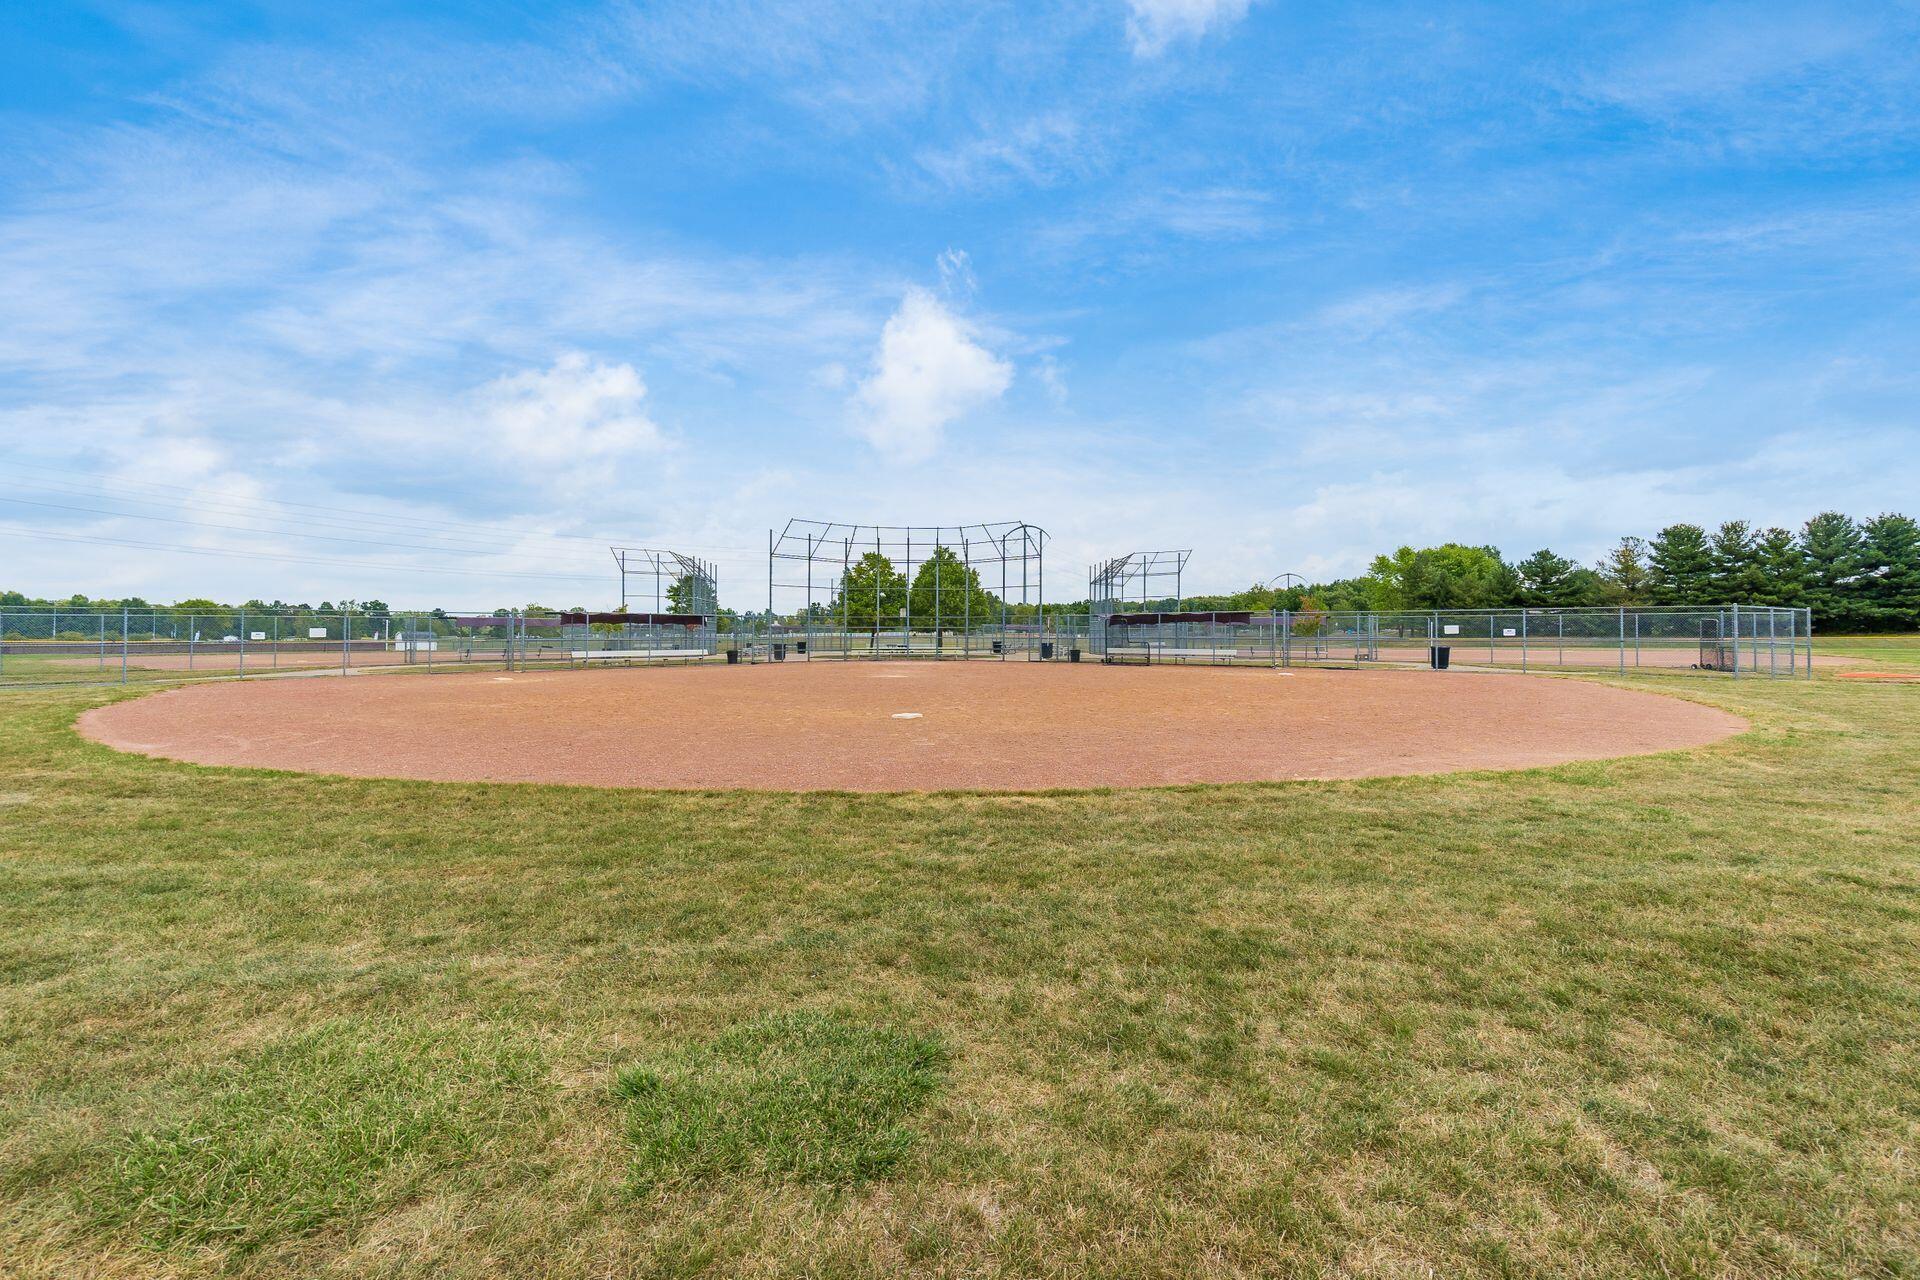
(1638, 1018)
(1889, 652)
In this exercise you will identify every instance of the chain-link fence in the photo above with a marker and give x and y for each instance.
(43, 646)
(824, 638)
(1733, 639)
(46, 646)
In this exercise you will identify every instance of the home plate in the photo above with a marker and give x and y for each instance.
(906, 715)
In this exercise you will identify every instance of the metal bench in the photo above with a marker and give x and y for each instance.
(1157, 653)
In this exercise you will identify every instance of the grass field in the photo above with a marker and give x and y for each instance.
(1645, 1017)
(1892, 652)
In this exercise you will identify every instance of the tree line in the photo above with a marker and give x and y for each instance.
(1855, 575)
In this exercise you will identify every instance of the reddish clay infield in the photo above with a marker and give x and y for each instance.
(863, 726)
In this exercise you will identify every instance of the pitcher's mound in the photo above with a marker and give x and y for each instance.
(862, 726)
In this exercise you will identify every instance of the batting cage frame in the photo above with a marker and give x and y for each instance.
(840, 590)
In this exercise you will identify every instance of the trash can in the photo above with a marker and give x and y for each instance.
(799, 646)
(1073, 655)
(1046, 650)
(733, 657)
(779, 652)
(1439, 656)
(999, 646)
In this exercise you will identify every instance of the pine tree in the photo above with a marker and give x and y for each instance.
(1736, 564)
(1624, 574)
(1892, 561)
(1543, 578)
(1583, 589)
(1783, 568)
(1681, 566)
(1835, 555)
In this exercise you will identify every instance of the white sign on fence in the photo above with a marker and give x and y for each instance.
(1450, 629)
(1508, 631)
(257, 635)
(316, 633)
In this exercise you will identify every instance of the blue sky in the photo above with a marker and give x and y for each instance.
(428, 302)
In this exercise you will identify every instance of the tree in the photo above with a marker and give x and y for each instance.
(947, 593)
(1549, 581)
(1835, 558)
(1543, 576)
(1783, 569)
(1736, 564)
(872, 593)
(1624, 575)
(1585, 589)
(1892, 563)
(1342, 595)
(1449, 576)
(1681, 566)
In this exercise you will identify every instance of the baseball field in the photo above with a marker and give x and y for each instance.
(1648, 1015)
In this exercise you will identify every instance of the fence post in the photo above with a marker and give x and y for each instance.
(1736, 640)
(1523, 638)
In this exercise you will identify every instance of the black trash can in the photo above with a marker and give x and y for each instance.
(999, 646)
(733, 657)
(799, 646)
(1439, 656)
(779, 652)
(1073, 655)
(1046, 650)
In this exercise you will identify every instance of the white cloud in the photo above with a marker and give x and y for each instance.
(928, 371)
(578, 410)
(1154, 24)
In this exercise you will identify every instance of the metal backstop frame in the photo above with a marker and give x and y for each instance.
(838, 590)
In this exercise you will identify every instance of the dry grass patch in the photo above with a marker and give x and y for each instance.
(1656, 1016)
